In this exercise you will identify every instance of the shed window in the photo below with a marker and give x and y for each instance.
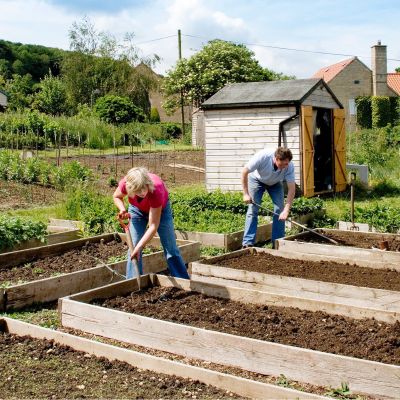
(356, 82)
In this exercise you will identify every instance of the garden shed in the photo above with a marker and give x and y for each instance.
(303, 115)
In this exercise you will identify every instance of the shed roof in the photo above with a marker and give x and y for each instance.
(264, 93)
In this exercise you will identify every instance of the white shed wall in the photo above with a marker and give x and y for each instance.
(233, 136)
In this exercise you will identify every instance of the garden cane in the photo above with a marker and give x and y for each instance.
(300, 225)
(131, 247)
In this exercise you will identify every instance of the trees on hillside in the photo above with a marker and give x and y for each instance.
(98, 63)
(206, 72)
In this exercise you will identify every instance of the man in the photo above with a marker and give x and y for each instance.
(265, 172)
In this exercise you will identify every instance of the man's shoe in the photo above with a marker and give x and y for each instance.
(247, 246)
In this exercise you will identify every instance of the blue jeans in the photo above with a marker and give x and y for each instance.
(137, 227)
(256, 191)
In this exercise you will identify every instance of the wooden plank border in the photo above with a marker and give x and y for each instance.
(294, 244)
(50, 289)
(227, 241)
(250, 354)
(241, 386)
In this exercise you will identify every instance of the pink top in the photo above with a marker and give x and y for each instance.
(155, 199)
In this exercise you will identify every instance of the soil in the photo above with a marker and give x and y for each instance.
(32, 368)
(168, 165)
(88, 256)
(15, 195)
(326, 271)
(349, 239)
(367, 339)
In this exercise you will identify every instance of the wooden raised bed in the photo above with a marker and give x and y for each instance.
(254, 355)
(334, 298)
(300, 243)
(227, 241)
(233, 241)
(49, 289)
(241, 386)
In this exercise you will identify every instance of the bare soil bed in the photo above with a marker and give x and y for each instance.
(88, 256)
(351, 240)
(15, 195)
(366, 339)
(326, 271)
(32, 368)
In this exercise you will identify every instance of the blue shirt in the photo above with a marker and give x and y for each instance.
(261, 167)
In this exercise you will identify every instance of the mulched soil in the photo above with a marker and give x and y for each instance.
(326, 271)
(88, 256)
(351, 239)
(366, 339)
(32, 368)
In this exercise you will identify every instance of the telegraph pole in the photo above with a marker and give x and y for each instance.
(182, 107)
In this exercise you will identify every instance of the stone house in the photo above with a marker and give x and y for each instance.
(351, 78)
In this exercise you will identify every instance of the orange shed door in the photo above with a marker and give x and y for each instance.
(339, 139)
(307, 147)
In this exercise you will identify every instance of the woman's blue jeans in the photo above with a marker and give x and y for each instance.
(256, 191)
(137, 227)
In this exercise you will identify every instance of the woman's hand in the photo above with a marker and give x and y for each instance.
(136, 253)
(123, 215)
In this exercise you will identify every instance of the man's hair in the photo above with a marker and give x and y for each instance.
(282, 153)
(137, 179)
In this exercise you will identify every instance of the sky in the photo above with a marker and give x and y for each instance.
(288, 36)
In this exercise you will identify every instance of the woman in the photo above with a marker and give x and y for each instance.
(148, 205)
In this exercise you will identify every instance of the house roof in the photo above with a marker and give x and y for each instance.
(393, 81)
(264, 93)
(329, 72)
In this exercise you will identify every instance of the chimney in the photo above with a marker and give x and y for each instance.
(379, 70)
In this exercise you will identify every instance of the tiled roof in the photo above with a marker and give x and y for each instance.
(393, 81)
(328, 73)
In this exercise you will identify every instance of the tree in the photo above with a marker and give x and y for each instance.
(397, 69)
(98, 62)
(19, 90)
(117, 110)
(52, 97)
(217, 64)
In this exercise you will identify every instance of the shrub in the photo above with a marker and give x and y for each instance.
(380, 108)
(171, 130)
(364, 112)
(154, 115)
(118, 110)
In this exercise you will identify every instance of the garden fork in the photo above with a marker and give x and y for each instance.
(131, 247)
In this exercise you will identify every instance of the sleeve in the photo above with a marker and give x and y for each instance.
(289, 176)
(254, 162)
(122, 186)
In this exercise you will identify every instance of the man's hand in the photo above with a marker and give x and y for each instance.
(284, 214)
(247, 199)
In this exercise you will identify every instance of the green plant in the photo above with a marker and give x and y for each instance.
(341, 393)
(283, 381)
(14, 230)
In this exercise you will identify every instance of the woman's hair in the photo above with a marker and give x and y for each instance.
(137, 179)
